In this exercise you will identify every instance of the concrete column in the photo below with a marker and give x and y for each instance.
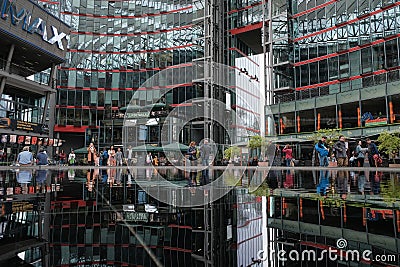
(46, 107)
(9, 57)
(52, 76)
(51, 105)
(7, 68)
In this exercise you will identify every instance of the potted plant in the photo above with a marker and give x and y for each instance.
(262, 190)
(389, 144)
(258, 144)
(230, 152)
(332, 136)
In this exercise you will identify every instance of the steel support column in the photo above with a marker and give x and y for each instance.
(7, 68)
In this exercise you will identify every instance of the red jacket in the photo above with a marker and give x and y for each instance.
(288, 152)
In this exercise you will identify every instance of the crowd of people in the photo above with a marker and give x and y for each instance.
(342, 156)
(339, 154)
(111, 157)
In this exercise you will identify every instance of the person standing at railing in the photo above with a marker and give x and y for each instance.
(373, 153)
(341, 152)
(25, 158)
(128, 155)
(112, 162)
(205, 152)
(191, 160)
(62, 156)
(288, 154)
(323, 152)
(119, 157)
(72, 158)
(42, 158)
(91, 154)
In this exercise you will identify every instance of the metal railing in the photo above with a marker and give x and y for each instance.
(23, 72)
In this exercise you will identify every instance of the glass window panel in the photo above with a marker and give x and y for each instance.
(93, 97)
(306, 121)
(287, 123)
(378, 57)
(366, 60)
(377, 108)
(350, 114)
(107, 97)
(354, 59)
(326, 118)
(394, 101)
(392, 57)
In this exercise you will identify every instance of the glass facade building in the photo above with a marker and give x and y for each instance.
(342, 67)
(114, 48)
(321, 55)
(27, 49)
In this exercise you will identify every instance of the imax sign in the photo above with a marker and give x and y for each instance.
(30, 24)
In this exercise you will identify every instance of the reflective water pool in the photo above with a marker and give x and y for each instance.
(240, 217)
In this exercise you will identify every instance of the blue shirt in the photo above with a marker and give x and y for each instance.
(321, 149)
(42, 159)
(25, 157)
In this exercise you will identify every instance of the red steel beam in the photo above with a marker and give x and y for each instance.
(337, 26)
(126, 16)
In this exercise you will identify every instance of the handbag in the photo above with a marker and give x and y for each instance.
(332, 164)
(377, 158)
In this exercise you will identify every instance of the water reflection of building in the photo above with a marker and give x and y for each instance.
(114, 48)
(24, 218)
(302, 220)
(85, 229)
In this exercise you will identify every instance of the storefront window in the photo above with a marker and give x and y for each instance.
(306, 121)
(394, 108)
(326, 118)
(350, 115)
(287, 123)
(374, 112)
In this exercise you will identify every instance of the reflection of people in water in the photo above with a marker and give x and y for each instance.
(93, 174)
(361, 182)
(376, 184)
(41, 176)
(112, 163)
(89, 179)
(342, 184)
(24, 176)
(71, 174)
(148, 173)
(323, 184)
(289, 179)
(272, 179)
